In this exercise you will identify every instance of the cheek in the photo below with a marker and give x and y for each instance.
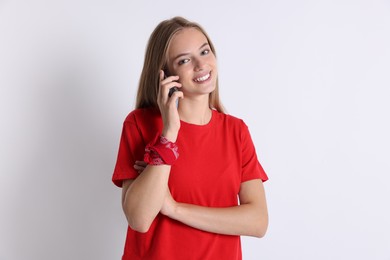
(213, 61)
(184, 74)
(179, 70)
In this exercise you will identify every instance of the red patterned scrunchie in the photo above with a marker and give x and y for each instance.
(161, 151)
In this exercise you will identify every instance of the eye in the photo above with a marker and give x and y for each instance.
(181, 62)
(205, 52)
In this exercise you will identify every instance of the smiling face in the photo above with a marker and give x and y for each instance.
(190, 57)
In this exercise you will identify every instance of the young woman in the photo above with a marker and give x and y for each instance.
(191, 181)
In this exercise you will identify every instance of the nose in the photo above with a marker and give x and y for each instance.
(199, 64)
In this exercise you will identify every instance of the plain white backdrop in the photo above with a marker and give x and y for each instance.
(310, 78)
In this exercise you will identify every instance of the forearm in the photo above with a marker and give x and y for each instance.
(246, 219)
(144, 198)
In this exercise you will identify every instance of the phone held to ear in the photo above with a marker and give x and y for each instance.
(171, 91)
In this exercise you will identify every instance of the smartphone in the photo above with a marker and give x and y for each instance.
(171, 90)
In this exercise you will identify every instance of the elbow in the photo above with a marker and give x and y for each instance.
(141, 227)
(137, 221)
(260, 233)
(261, 228)
(138, 218)
(139, 224)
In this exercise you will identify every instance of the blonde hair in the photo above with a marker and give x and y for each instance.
(156, 58)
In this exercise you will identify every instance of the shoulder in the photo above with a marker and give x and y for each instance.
(229, 120)
(146, 121)
(141, 115)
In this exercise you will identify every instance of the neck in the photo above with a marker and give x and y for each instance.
(195, 112)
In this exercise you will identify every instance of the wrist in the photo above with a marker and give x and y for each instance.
(161, 151)
(170, 135)
(175, 208)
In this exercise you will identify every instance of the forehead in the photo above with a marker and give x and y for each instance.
(186, 41)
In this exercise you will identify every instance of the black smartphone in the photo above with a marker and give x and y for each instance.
(171, 90)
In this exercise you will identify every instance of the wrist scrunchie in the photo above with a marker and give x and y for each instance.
(161, 151)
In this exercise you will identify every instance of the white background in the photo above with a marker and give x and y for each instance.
(310, 78)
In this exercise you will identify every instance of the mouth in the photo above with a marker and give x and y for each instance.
(203, 78)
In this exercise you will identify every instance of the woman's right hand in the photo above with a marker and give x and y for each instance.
(167, 106)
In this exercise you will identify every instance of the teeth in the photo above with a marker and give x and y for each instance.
(203, 78)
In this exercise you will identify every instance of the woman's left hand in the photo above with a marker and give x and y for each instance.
(140, 166)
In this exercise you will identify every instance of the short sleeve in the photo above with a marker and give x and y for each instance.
(131, 149)
(251, 167)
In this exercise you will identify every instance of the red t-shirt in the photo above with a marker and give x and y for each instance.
(214, 160)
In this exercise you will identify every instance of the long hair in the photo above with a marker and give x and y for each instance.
(156, 58)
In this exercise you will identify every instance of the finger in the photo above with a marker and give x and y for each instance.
(176, 96)
(166, 79)
(169, 83)
(169, 79)
(141, 163)
(166, 87)
(139, 168)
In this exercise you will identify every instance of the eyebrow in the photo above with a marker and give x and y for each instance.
(184, 54)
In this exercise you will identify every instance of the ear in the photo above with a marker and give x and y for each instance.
(166, 72)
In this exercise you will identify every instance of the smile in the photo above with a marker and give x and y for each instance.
(203, 78)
